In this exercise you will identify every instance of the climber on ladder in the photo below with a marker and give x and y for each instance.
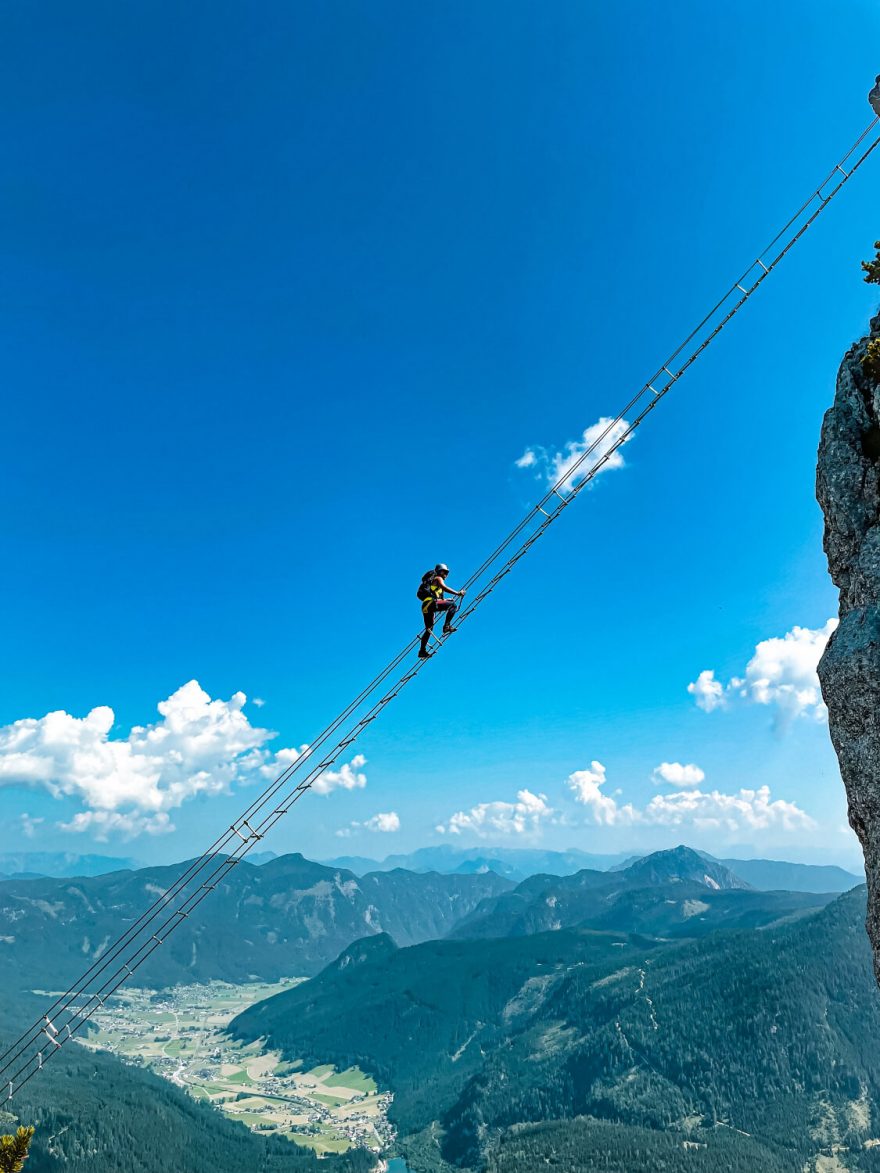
(432, 592)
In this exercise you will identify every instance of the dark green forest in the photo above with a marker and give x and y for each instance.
(773, 1033)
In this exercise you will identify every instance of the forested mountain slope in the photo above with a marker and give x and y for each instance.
(775, 1032)
(288, 917)
(670, 893)
(423, 1018)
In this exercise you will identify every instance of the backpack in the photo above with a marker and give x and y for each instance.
(424, 591)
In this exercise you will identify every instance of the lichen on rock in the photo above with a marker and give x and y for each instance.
(848, 489)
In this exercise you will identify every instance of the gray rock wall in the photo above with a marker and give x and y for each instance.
(848, 489)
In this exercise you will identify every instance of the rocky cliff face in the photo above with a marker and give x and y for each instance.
(848, 488)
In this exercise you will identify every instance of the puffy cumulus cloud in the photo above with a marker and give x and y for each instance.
(127, 785)
(384, 822)
(781, 674)
(677, 774)
(526, 816)
(707, 691)
(746, 810)
(586, 786)
(349, 777)
(598, 440)
(195, 748)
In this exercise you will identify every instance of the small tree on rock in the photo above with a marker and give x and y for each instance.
(871, 361)
(872, 268)
(14, 1150)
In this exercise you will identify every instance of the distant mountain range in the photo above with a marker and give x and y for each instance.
(770, 874)
(288, 917)
(675, 893)
(514, 863)
(21, 864)
(739, 1051)
(519, 863)
(291, 917)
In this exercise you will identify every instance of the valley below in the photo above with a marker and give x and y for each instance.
(179, 1033)
(667, 1015)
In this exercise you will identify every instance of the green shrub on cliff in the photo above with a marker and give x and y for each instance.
(871, 361)
(14, 1150)
(872, 268)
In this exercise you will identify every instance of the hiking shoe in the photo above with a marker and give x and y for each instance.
(449, 630)
(424, 655)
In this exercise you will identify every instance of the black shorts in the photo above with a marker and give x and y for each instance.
(432, 607)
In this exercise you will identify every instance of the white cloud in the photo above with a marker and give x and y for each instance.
(523, 817)
(677, 774)
(195, 748)
(707, 691)
(349, 777)
(586, 786)
(259, 702)
(385, 821)
(745, 810)
(127, 785)
(781, 674)
(557, 466)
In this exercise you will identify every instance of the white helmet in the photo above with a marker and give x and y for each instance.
(442, 569)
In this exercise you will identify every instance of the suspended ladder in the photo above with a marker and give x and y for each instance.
(60, 1022)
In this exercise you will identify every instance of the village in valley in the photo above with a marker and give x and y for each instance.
(180, 1034)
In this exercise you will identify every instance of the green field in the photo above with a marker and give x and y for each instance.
(179, 1033)
(354, 1078)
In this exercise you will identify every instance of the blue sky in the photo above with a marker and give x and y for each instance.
(286, 294)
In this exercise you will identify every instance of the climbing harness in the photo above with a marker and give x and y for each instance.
(23, 1058)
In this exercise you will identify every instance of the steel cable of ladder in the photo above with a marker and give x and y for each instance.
(72, 1010)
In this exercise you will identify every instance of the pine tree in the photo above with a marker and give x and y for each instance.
(872, 268)
(14, 1150)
